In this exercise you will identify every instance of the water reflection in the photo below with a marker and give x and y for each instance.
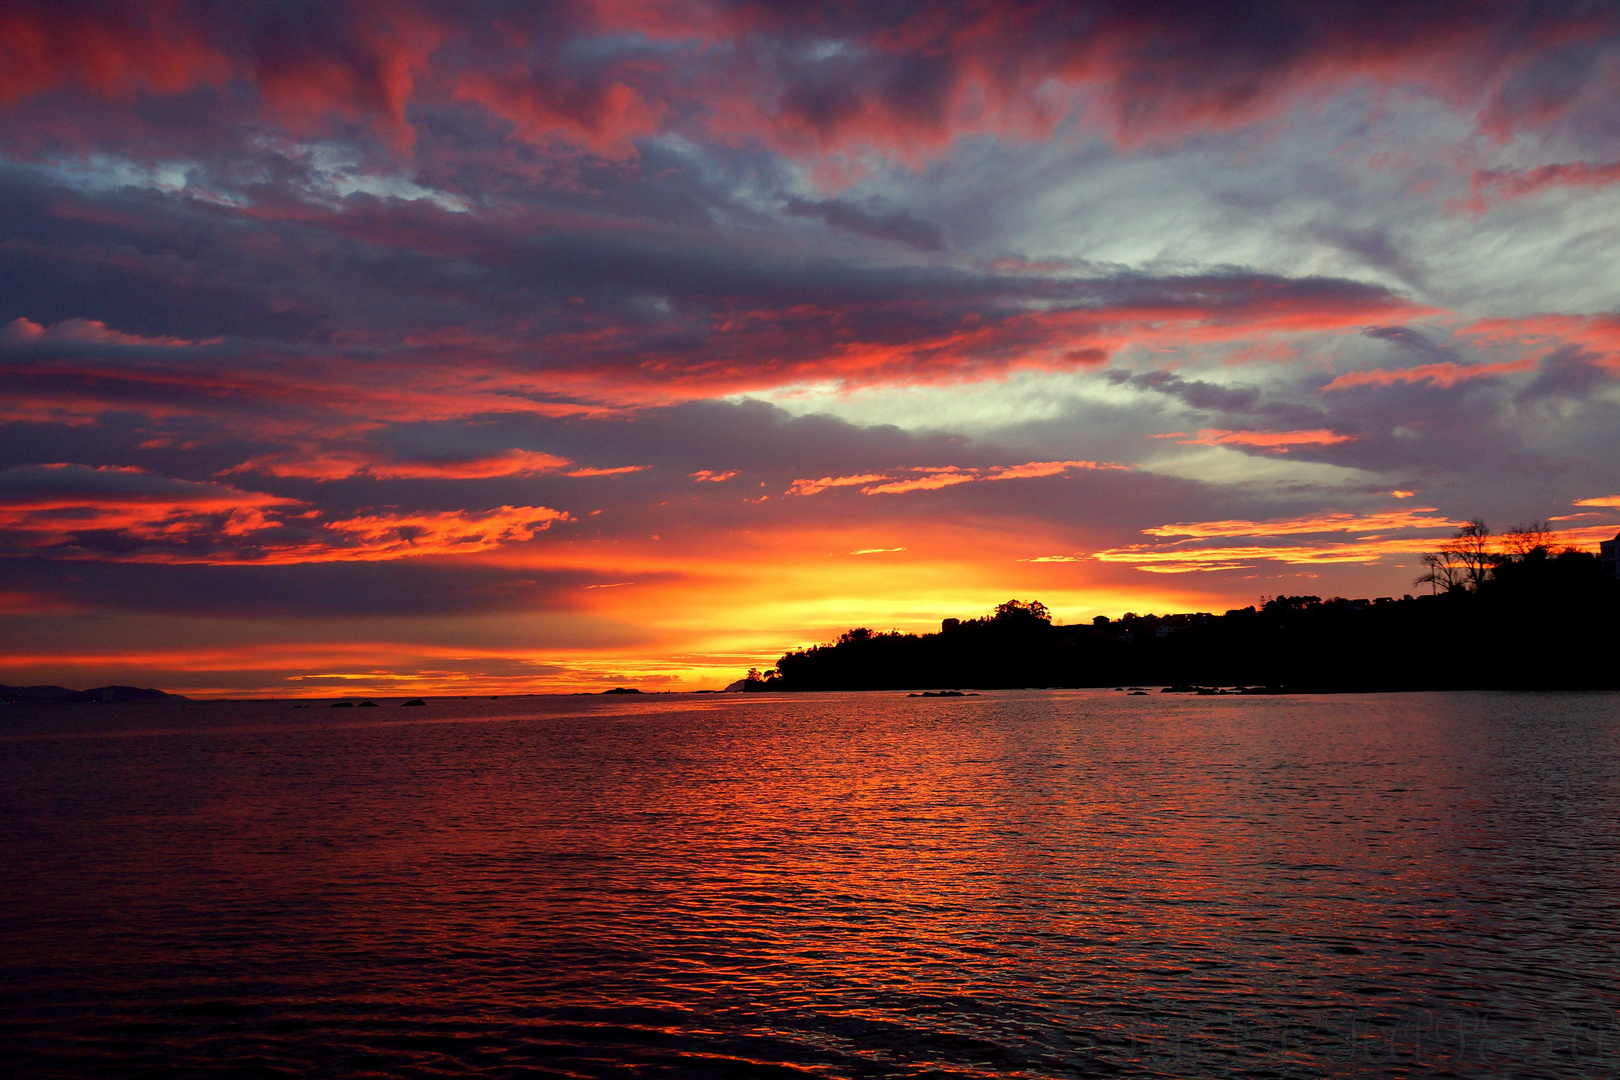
(844, 885)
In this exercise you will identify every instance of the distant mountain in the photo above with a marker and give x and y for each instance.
(99, 693)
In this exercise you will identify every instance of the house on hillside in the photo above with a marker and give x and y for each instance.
(1609, 552)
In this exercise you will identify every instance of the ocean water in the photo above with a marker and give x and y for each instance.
(842, 885)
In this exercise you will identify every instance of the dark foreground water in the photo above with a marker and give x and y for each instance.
(1019, 884)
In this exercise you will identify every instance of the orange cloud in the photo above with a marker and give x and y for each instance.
(124, 514)
(816, 487)
(1601, 500)
(338, 466)
(1444, 375)
(450, 532)
(1161, 561)
(1415, 518)
(173, 513)
(1276, 442)
(934, 477)
(1183, 554)
(1587, 537)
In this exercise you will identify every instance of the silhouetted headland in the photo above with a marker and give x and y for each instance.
(98, 693)
(1525, 619)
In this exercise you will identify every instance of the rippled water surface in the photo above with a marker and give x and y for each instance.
(1018, 884)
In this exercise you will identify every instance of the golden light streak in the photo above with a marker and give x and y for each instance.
(1415, 518)
(1276, 441)
(934, 477)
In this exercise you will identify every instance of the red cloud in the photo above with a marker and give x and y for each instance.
(603, 117)
(1494, 185)
(111, 50)
(816, 79)
(1443, 374)
(1598, 334)
(125, 514)
(341, 466)
(51, 506)
(757, 331)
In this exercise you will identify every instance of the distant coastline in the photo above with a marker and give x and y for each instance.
(16, 694)
(1540, 621)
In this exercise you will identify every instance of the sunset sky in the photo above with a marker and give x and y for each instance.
(415, 347)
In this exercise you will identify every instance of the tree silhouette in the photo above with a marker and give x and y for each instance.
(1464, 561)
(1519, 541)
(1472, 547)
(1019, 610)
(1440, 571)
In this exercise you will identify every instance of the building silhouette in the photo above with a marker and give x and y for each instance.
(1609, 553)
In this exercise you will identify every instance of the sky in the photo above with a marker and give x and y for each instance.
(435, 348)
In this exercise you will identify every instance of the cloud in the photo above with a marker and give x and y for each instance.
(328, 466)
(127, 514)
(819, 80)
(526, 310)
(392, 534)
(1267, 442)
(827, 483)
(1309, 541)
(1193, 392)
(1444, 376)
(24, 331)
(1569, 372)
(893, 225)
(369, 293)
(1337, 522)
(934, 477)
(1243, 557)
(364, 590)
(1494, 185)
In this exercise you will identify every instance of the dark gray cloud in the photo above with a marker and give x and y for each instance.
(402, 588)
(1414, 343)
(1569, 372)
(878, 223)
(1193, 392)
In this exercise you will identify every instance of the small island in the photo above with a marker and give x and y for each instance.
(1522, 616)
